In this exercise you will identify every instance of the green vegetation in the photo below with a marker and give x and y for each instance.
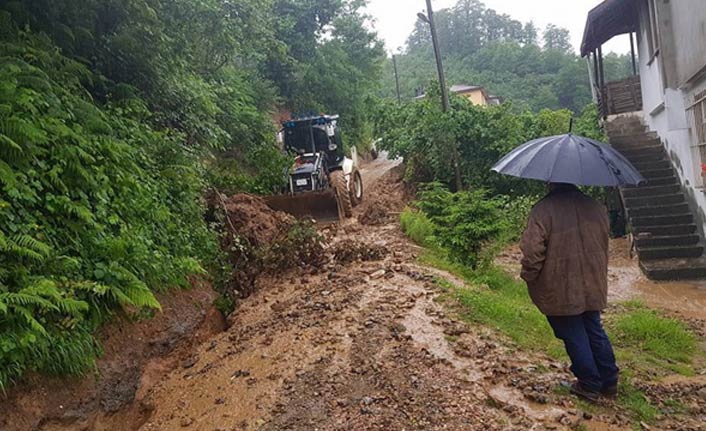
(427, 139)
(482, 47)
(651, 342)
(116, 116)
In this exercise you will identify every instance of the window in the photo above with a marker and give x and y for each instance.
(652, 29)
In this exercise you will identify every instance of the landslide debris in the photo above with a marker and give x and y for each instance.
(348, 252)
(258, 240)
(386, 198)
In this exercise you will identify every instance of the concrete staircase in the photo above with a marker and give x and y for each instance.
(667, 240)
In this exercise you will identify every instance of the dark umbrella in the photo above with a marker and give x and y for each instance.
(569, 159)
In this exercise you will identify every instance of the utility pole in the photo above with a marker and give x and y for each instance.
(397, 78)
(429, 19)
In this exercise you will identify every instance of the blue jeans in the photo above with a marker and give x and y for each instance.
(588, 346)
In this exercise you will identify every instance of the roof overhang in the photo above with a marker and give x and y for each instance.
(608, 19)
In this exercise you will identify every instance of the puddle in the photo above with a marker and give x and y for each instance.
(430, 336)
(626, 282)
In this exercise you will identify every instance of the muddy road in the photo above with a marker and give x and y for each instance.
(360, 344)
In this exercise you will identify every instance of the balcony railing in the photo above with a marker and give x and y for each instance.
(622, 96)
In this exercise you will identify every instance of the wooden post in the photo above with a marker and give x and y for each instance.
(632, 53)
(601, 83)
(445, 105)
(397, 78)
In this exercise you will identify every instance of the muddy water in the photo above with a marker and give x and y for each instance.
(626, 282)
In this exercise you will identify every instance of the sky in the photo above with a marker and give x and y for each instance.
(394, 19)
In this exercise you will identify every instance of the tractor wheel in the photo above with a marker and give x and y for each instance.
(356, 187)
(343, 196)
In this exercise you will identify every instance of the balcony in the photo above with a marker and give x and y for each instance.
(619, 97)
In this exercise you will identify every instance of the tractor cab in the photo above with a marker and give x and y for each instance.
(311, 136)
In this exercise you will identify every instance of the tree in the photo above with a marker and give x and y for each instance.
(530, 34)
(557, 38)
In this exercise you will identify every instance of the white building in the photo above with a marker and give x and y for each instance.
(668, 96)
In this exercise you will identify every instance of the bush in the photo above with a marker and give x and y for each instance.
(464, 222)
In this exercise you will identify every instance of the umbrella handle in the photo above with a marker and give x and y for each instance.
(571, 124)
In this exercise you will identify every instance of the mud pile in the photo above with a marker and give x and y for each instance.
(248, 217)
(386, 198)
(259, 240)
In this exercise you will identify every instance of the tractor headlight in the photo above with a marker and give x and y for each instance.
(332, 147)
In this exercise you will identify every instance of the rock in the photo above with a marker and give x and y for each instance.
(240, 373)
(186, 421)
(190, 362)
(378, 274)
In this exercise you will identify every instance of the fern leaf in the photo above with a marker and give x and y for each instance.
(72, 307)
(27, 242)
(22, 300)
(31, 321)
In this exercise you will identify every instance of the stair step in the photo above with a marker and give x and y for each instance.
(664, 230)
(634, 142)
(644, 151)
(666, 241)
(631, 192)
(659, 210)
(652, 165)
(663, 220)
(643, 201)
(670, 252)
(657, 173)
(642, 158)
(626, 130)
(675, 269)
(662, 181)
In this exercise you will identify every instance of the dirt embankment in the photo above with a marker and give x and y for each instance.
(136, 355)
(139, 353)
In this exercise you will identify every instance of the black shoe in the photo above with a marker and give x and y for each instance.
(610, 391)
(581, 391)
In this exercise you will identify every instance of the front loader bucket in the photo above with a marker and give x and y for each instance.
(321, 205)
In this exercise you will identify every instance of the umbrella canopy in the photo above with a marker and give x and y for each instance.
(569, 159)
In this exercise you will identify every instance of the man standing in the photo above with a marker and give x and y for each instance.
(565, 265)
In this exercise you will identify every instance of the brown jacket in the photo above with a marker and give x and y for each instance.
(565, 254)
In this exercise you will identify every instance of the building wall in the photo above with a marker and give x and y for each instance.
(476, 97)
(665, 109)
(688, 19)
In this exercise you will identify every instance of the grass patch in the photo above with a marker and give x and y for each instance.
(648, 342)
(417, 226)
(665, 338)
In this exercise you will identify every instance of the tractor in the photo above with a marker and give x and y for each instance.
(322, 183)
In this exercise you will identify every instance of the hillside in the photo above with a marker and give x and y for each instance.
(534, 68)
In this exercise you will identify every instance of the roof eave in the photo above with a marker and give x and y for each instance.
(608, 19)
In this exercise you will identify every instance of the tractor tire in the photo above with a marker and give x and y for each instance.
(356, 186)
(343, 196)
